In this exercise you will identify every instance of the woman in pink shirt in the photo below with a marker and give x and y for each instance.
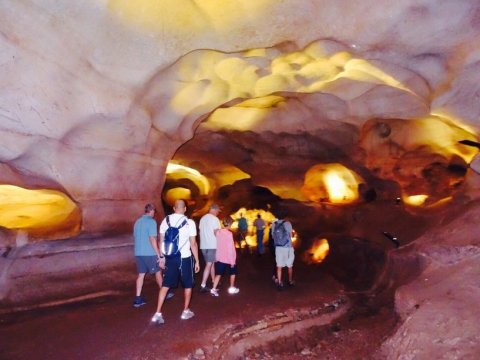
(226, 256)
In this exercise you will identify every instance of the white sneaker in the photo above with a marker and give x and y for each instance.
(187, 314)
(214, 292)
(233, 290)
(157, 318)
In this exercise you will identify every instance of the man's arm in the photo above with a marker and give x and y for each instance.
(162, 259)
(218, 228)
(194, 248)
(153, 241)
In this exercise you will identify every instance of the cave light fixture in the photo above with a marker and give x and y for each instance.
(415, 200)
(318, 251)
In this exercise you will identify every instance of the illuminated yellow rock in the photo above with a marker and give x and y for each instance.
(318, 251)
(39, 213)
(419, 154)
(250, 215)
(332, 183)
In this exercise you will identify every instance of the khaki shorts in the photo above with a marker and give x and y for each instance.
(209, 255)
(284, 256)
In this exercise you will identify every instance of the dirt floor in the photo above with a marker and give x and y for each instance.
(111, 328)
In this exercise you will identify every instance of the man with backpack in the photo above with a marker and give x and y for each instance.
(177, 244)
(282, 234)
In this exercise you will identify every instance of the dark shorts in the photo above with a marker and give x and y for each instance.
(147, 264)
(222, 266)
(178, 268)
(209, 255)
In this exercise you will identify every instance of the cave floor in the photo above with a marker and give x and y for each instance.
(111, 328)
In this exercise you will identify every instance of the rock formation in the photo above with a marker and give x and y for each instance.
(329, 109)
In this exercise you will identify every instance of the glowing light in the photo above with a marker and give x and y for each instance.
(250, 216)
(39, 212)
(331, 183)
(337, 188)
(415, 200)
(294, 238)
(318, 251)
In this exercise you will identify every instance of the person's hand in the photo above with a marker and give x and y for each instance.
(162, 263)
(197, 267)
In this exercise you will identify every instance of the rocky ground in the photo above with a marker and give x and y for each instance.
(110, 327)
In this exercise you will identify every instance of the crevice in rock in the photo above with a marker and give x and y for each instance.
(234, 341)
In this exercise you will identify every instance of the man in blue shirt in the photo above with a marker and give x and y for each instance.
(147, 253)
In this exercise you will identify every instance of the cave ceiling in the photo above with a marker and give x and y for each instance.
(97, 99)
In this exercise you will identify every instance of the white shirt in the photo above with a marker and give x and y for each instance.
(208, 224)
(189, 229)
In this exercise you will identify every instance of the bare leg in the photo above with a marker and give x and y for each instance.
(232, 280)
(212, 272)
(188, 296)
(159, 278)
(279, 274)
(206, 272)
(217, 280)
(139, 286)
(290, 273)
(161, 298)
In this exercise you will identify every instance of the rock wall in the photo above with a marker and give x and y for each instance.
(439, 309)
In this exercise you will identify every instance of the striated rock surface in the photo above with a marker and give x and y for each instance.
(439, 309)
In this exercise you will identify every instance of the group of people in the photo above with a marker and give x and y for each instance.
(259, 225)
(217, 246)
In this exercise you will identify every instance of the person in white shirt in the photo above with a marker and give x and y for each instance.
(181, 266)
(209, 225)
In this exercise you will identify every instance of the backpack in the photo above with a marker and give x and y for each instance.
(171, 239)
(280, 235)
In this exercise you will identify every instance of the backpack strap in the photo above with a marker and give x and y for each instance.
(183, 223)
(278, 222)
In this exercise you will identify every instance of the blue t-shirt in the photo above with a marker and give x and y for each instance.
(144, 227)
(242, 224)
